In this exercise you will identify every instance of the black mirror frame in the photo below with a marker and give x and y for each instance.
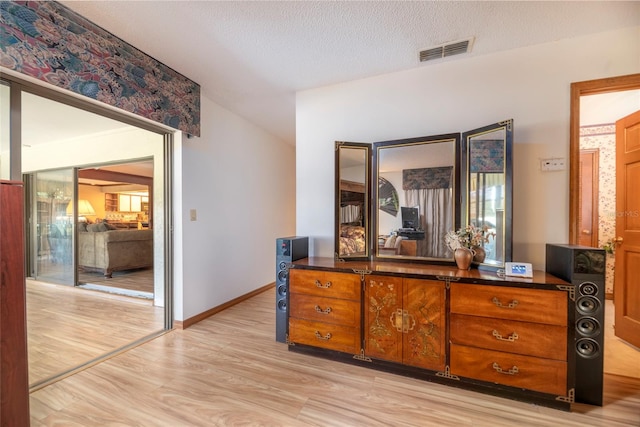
(367, 201)
(456, 191)
(507, 125)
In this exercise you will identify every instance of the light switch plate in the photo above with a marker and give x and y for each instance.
(554, 164)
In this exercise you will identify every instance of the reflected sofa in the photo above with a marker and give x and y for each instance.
(105, 250)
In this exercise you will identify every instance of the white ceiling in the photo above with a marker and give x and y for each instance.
(251, 57)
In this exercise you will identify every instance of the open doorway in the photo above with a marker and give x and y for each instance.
(116, 198)
(595, 108)
(92, 170)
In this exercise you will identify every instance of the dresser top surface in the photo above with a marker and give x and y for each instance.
(419, 269)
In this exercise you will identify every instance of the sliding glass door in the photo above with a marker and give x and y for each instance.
(53, 226)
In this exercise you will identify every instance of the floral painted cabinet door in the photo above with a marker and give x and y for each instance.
(424, 341)
(405, 321)
(383, 317)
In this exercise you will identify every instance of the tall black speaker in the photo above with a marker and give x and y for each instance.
(288, 249)
(584, 267)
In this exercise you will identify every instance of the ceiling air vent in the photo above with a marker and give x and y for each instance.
(445, 50)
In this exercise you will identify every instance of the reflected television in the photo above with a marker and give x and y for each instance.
(410, 218)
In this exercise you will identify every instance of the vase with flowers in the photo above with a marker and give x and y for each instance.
(466, 243)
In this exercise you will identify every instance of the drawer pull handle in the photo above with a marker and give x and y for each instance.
(497, 302)
(512, 371)
(320, 285)
(324, 338)
(511, 338)
(326, 311)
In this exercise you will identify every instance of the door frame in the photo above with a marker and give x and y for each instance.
(17, 85)
(595, 182)
(578, 89)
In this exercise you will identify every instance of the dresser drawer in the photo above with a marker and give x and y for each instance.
(532, 373)
(529, 305)
(327, 284)
(531, 339)
(325, 335)
(329, 310)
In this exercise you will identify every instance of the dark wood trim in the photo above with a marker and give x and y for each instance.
(14, 371)
(184, 324)
(595, 194)
(355, 187)
(578, 89)
(106, 175)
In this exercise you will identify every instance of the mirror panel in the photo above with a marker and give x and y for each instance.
(416, 197)
(488, 179)
(352, 180)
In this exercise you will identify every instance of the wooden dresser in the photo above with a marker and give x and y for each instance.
(473, 329)
(325, 309)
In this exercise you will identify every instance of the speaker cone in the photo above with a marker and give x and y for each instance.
(588, 288)
(282, 305)
(587, 305)
(282, 290)
(587, 348)
(282, 265)
(282, 275)
(588, 326)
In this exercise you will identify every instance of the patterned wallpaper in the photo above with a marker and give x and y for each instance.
(603, 137)
(47, 41)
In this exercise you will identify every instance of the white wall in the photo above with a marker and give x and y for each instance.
(530, 85)
(241, 182)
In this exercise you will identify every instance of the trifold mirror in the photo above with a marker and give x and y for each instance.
(488, 188)
(396, 200)
(353, 175)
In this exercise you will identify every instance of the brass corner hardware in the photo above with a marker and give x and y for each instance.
(362, 273)
(447, 374)
(362, 357)
(571, 289)
(569, 398)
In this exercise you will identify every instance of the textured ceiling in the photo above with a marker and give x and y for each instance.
(251, 57)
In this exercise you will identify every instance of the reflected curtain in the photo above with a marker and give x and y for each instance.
(350, 214)
(436, 209)
(431, 190)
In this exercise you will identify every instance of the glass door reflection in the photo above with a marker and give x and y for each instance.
(53, 205)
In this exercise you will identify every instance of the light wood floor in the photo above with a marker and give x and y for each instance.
(228, 370)
(140, 280)
(68, 327)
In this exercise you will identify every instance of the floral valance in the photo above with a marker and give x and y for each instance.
(429, 178)
(487, 156)
(48, 41)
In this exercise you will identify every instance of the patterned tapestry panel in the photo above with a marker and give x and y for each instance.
(486, 155)
(415, 179)
(50, 42)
